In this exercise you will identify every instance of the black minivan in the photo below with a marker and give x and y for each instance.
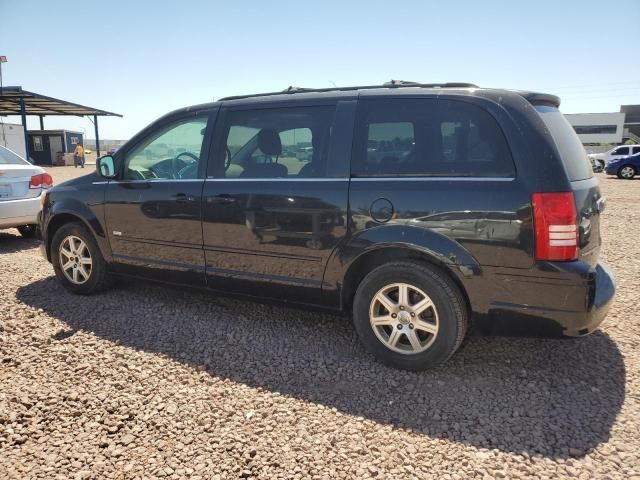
(417, 207)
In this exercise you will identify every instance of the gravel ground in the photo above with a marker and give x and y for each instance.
(146, 381)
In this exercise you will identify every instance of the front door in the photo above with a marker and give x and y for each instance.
(153, 213)
(275, 205)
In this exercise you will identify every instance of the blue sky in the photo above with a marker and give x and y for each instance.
(144, 58)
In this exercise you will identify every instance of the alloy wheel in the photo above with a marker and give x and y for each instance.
(404, 318)
(627, 172)
(75, 260)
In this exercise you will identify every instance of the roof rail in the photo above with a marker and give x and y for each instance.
(389, 84)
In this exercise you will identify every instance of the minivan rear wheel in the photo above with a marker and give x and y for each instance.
(77, 261)
(626, 172)
(410, 315)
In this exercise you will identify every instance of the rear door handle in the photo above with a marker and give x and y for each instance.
(223, 198)
(183, 198)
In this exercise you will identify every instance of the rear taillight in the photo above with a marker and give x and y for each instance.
(42, 180)
(556, 230)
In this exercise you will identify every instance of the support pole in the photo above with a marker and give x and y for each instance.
(23, 115)
(41, 122)
(95, 124)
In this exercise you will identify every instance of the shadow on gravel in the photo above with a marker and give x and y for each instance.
(10, 243)
(550, 397)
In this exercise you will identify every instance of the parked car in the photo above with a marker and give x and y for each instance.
(625, 167)
(485, 206)
(21, 188)
(615, 153)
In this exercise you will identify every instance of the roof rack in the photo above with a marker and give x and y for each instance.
(389, 84)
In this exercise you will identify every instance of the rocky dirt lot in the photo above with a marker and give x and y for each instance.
(146, 381)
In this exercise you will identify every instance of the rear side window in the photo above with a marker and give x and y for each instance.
(427, 137)
(276, 143)
(572, 153)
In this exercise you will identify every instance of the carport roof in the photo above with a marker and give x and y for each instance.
(37, 104)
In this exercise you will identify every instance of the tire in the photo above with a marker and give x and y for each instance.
(28, 231)
(439, 328)
(626, 172)
(94, 278)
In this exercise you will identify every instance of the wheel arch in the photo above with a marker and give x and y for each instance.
(371, 259)
(63, 215)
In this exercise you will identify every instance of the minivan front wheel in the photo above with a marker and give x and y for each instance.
(627, 172)
(410, 315)
(77, 261)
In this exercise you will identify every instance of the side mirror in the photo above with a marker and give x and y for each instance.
(106, 166)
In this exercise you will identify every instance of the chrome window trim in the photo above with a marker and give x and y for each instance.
(243, 179)
(342, 179)
(155, 180)
(433, 179)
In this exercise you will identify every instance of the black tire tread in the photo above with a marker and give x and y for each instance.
(452, 291)
(101, 281)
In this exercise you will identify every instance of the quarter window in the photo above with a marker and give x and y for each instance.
(172, 153)
(276, 143)
(431, 138)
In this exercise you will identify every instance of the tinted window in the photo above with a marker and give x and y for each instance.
(621, 151)
(276, 143)
(570, 148)
(429, 137)
(635, 150)
(171, 153)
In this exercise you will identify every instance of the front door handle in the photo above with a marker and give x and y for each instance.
(183, 198)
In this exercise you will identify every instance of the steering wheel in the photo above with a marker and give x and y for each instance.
(175, 169)
(188, 154)
(227, 158)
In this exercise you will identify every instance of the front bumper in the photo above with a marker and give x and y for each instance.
(24, 211)
(573, 305)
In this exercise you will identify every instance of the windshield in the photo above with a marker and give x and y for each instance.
(7, 157)
(571, 150)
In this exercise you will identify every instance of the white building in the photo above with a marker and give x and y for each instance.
(595, 128)
(12, 137)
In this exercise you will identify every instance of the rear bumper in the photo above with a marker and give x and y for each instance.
(574, 304)
(14, 213)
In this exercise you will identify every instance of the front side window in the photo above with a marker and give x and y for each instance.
(621, 151)
(276, 143)
(429, 138)
(171, 153)
(635, 150)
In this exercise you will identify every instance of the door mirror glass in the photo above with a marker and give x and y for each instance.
(106, 166)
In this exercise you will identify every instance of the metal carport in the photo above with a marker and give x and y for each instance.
(16, 101)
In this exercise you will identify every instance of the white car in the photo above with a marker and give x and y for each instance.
(21, 187)
(614, 154)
